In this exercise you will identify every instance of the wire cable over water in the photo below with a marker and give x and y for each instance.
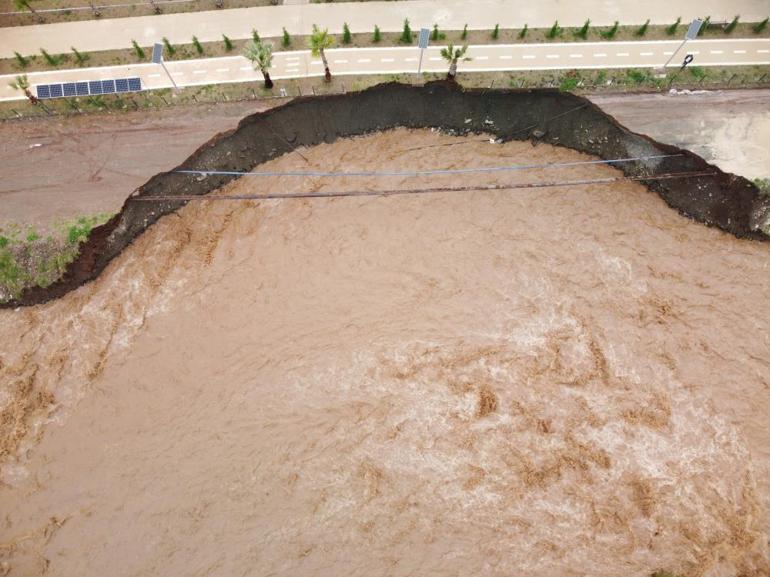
(429, 172)
(404, 191)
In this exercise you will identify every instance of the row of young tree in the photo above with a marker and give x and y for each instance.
(260, 54)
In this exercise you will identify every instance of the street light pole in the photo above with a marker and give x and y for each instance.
(157, 58)
(422, 43)
(692, 33)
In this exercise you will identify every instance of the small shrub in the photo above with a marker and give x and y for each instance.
(583, 32)
(228, 43)
(436, 34)
(601, 77)
(20, 60)
(32, 236)
(169, 47)
(763, 184)
(464, 35)
(286, 41)
(138, 50)
(51, 59)
(704, 26)
(638, 76)
(568, 83)
(496, 32)
(642, 30)
(80, 58)
(609, 34)
(377, 34)
(697, 72)
(198, 46)
(347, 37)
(255, 36)
(671, 30)
(554, 31)
(523, 31)
(760, 26)
(731, 26)
(406, 33)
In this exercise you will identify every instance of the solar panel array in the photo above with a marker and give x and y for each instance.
(89, 88)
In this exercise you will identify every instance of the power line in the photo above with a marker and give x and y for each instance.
(397, 192)
(436, 171)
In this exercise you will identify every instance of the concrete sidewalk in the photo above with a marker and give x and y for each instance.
(111, 34)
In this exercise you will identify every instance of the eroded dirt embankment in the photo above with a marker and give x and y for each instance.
(720, 199)
(557, 381)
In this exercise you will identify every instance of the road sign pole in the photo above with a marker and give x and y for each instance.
(419, 65)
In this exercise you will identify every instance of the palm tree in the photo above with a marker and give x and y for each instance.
(21, 83)
(157, 9)
(94, 9)
(320, 40)
(25, 5)
(261, 56)
(452, 55)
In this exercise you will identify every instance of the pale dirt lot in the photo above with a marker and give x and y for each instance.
(562, 381)
(90, 164)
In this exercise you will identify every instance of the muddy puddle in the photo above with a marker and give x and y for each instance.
(556, 381)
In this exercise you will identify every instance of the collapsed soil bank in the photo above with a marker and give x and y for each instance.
(722, 200)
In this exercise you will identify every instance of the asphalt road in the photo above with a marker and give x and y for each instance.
(394, 60)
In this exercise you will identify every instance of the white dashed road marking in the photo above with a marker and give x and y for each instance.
(223, 70)
(600, 55)
(622, 54)
(717, 52)
(551, 55)
(364, 59)
(527, 57)
(506, 57)
(576, 56)
(199, 72)
(387, 60)
(340, 61)
(645, 53)
(739, 52)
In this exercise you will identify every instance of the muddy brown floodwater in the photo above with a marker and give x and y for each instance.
(557, 381)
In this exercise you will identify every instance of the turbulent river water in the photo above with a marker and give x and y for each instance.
(553, 381)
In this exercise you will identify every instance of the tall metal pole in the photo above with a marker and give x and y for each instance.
(678, 48)
(163, 64)
(691, 34)
(422, 42)
(157, 58)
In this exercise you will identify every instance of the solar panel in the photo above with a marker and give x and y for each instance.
(69, 89)
(86, 88)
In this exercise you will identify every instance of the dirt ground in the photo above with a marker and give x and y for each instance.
(563, 381)
(66, 167)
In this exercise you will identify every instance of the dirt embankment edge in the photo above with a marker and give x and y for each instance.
(721, 200)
